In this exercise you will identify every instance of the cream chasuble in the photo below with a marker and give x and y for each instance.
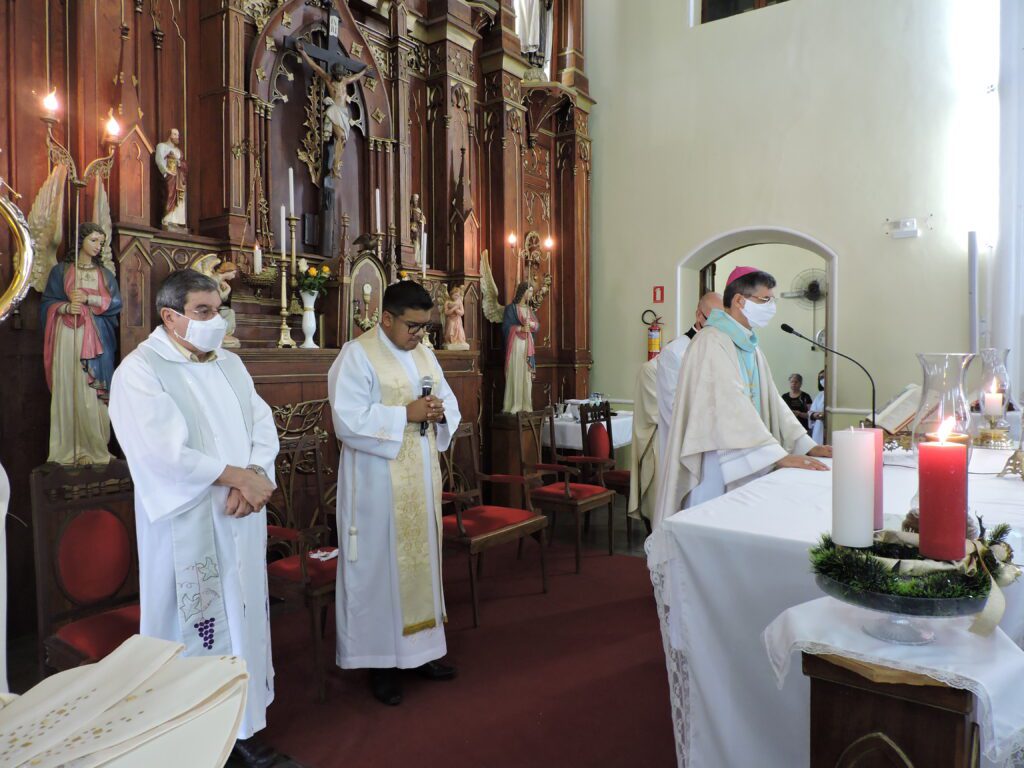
(390, 606)
(714, 415)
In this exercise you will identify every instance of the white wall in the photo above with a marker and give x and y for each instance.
(823, 116)
(786, 354)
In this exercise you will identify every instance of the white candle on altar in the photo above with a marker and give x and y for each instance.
(284, 233)
(853, 488)
(291, 191)
(283, 266)
(992, 402)
(257, 258)
(377, 200)
(423, 254)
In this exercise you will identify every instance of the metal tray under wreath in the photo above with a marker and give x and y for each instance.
(905, 606)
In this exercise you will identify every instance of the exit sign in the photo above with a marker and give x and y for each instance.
(659, 294)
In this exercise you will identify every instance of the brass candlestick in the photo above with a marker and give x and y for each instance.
(293, 307)
(285, 337)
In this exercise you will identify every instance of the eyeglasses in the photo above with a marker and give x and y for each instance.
(761, 299)
(414, 328)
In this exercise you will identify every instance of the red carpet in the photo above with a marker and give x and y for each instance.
(575, 677)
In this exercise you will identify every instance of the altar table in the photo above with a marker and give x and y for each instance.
(730, 566)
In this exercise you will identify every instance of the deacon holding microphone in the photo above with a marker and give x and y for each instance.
(393, 412)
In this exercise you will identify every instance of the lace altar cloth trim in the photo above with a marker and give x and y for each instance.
(677, 668)
(1005, 750)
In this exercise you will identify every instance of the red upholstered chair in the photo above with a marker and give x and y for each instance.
(87, 578)
(475, 526)
(550, 492)
(596, 434)
(297, 525)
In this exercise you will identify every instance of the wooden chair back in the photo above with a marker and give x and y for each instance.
(460, 464)
(532, 425)
(292, 506)
(589, 416)
(83, 527)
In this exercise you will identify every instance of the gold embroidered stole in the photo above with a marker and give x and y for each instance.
(412, 538)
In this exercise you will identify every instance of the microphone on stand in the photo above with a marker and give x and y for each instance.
(426, 387)
(789, 329)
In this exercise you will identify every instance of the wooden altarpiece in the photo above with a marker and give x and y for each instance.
(445, 114)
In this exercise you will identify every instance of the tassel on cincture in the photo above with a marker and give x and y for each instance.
(353, 549)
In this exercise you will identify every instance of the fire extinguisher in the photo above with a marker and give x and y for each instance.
(653, 333)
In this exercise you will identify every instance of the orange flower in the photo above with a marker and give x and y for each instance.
(325, 269)
(311, 271)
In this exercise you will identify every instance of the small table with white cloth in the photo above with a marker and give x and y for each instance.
(569, 436)
(730, 566)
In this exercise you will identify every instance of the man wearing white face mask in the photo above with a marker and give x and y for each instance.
(201, 445)
(730, 425)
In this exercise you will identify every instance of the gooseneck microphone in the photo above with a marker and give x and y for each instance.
(789, 329)
(426, 387)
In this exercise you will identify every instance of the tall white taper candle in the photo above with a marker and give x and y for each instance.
(291, 192)
(377, 201)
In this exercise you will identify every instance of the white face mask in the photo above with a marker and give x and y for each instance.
(204, 335)
(758, 315)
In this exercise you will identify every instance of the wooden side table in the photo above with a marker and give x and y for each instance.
(864, 719)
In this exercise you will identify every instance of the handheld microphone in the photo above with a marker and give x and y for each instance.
(426, 387)
(789, 329)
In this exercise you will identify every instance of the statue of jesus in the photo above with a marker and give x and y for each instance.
(338, 100)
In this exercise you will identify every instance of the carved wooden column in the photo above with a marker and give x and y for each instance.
(572, 220)
(568, 49)
(222, 110)
(450, 98)
(402, 52)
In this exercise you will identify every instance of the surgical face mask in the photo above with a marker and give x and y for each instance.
(204, 335)
(758, 315)
(821, 385)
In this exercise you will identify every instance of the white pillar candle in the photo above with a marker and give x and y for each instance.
(423, 254)
(853, 488)
(879, 439)
(993, 403)
(257, 259)
(284, 233)
(291, 191)
(377, 199)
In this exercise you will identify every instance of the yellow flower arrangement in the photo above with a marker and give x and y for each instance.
(313, 280)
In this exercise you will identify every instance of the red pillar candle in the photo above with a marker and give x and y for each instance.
(942, 478)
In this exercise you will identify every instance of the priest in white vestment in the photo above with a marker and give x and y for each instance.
(643, 458)
(390, 606)
(730, 425)
(201, 444)
(669, 361)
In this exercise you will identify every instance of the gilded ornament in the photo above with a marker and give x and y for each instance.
(378, 115)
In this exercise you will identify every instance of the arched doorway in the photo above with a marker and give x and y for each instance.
(703, 260)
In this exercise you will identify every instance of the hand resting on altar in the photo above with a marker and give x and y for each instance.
(822, 451)
(802, 462)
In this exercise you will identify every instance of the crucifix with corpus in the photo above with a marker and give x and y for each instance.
(338, 72)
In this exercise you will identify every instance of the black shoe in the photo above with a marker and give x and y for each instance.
(252, 754)
(386, 686)
(435, 670)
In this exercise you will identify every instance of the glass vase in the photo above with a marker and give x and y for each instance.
(994, 396)
(943, 398)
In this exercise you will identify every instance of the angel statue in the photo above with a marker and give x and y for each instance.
(453, 309)
(80, 306)
(223, 272)
(518, 323)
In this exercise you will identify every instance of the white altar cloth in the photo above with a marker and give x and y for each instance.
(568, 434)
(992, 668)
(734, 564)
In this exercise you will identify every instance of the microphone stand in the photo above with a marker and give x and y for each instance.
(789, 329)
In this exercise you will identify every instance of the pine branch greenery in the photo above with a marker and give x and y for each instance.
(861, 570)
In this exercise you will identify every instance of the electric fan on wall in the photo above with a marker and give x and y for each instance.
(810, 288)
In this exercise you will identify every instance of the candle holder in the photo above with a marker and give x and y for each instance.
(994, 397)
(284, 339)
(294, 308)
(532, 257)
(942, 398)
